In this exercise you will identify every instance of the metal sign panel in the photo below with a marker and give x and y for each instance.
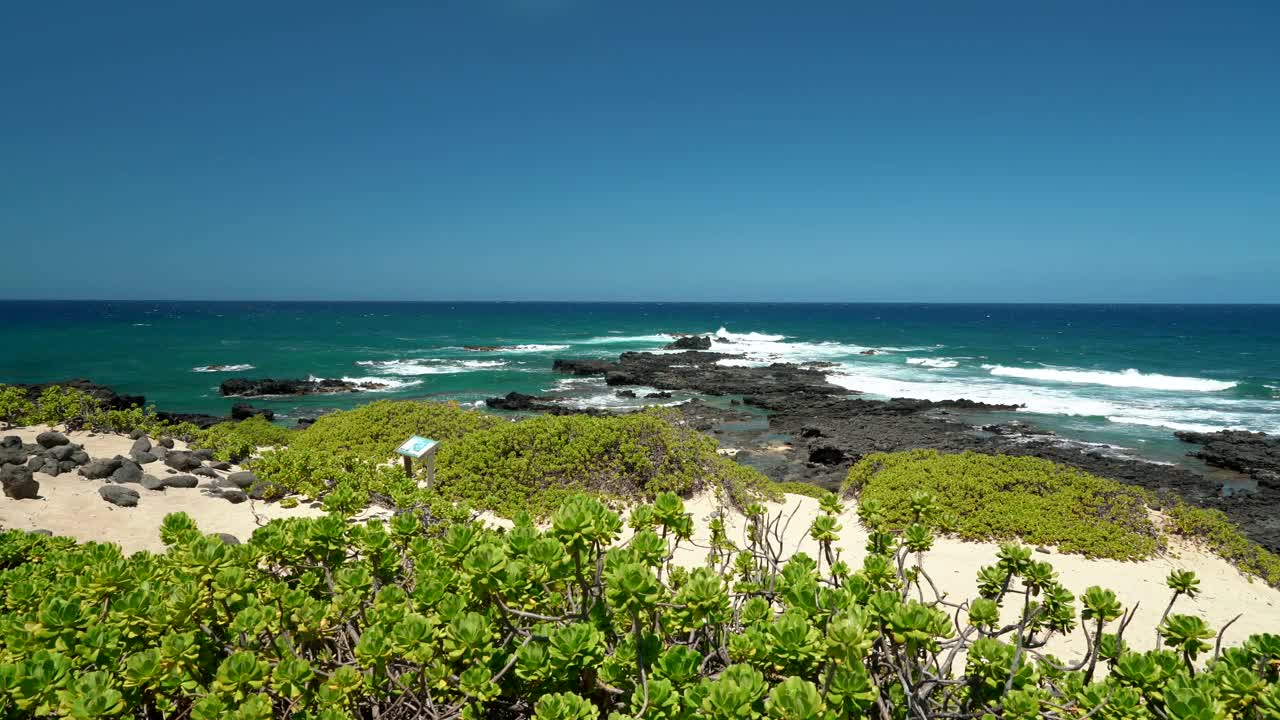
(417, 446)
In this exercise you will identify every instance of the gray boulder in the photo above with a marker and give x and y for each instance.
(166, 443)
(144, 458)
(50, 467)
(11, 441)
(151, 482)
(13, 454)
(203, 471)
(180, 481)
(203, 454)
(66, 466)
(137, 434)
(61, 452)
(128, 472)
(17, 482)
(228, 538)
(50, 438)
(235, 497)
(221, 465)
(243, 479)
(182, 461)
(142, 444)
(80, 457)
(102, 468)
(264, 489)
(119, 495)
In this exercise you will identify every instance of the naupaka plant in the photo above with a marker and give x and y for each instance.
(435, 615)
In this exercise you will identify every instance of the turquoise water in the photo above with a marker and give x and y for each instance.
(1126, 375)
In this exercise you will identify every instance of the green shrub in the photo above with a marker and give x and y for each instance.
(15, 408)
(374, 431)
(1213, 528)
(235, 441)
(534, 464)
(323, 619)
(792, 487)
(998, 497)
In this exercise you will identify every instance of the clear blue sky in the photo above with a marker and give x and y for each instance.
(694, 150)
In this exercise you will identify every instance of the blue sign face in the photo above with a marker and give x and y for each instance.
(416, 446)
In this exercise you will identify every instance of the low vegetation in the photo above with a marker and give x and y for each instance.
(999, 497)
(444, 619)
(76, 409)
(1214, 529)
(235, 441)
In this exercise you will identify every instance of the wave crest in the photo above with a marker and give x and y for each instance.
(1130, 378)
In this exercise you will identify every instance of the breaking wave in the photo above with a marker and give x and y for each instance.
(222, 368)
(430, 366)
(933, 362)
(1130, 378)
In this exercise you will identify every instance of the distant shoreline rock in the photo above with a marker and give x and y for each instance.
(247, 387)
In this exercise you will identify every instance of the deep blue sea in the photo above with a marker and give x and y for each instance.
(1127, 375)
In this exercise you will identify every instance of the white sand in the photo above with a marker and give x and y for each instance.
(70, 505)
(953, 565)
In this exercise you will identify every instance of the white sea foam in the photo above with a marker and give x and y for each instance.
(742, 362)
(222, 368)
(933, 362)
(1130, 378)
(618, 339)
(750, 337)
(388, 384)
(430, 366)
(1171, 424)
(534, 347)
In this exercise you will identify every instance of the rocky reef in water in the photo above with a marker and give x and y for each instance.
(245, 387)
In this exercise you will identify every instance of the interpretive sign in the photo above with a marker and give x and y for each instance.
(417, 446)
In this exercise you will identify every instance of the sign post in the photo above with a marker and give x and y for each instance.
(417, 448)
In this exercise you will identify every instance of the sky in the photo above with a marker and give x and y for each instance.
(838, 150)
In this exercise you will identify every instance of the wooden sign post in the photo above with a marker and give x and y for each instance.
(417, 448)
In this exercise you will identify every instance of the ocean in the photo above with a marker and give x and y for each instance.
(1124, 375)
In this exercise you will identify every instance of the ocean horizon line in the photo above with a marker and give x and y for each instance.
(827, 303)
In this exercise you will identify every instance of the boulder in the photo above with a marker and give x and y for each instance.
(221, 465)
(515, 401)
(242, 480)
(245, 387)
(60, 452)
(244, 411)
(10, 441)
(13, 454)
(128, 472)
(264, 489)
(182, 461)
(50, 438)
(626, 394)
(661, 394)
(204, 454)
(144, 458)
(228, 538)
(50, 467)
(203, 471)
(137, 434)
(102, 468)
(180, 481)
(66, 466)
(690, 342)
(151, 482)
(166, 443)
(827, 455)
(17, 482)
(119, 495)
(235, 497)
(79, 457)
(141, 445)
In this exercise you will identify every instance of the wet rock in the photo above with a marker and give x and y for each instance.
(50, 438)
(827, 455)
(119, 495)
(690, 342)
(244, 411)
(244, 387)
(626, 394)
(661, 394)
(1254, 454)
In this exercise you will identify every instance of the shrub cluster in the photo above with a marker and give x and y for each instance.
(76, 409)
(503, 466)
(234, 441)
(1213, 528)
(321, 619)
(999, 497)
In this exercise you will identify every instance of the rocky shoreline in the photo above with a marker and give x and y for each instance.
(787, 421)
